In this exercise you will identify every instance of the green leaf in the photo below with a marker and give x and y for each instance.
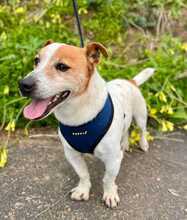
(180, 114)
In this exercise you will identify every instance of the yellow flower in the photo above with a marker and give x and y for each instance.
(20, 10)
(11, 126)
(8, 127)
(184, 47)
(153, 112)
(170, 126)
(149, 137)
(170, 110)
(161, 96)
(166, 109)
(164, 127)
(82, 11)
(185, 127)
(6, 90)
(134, 137)
(3, 156)
(167, 126)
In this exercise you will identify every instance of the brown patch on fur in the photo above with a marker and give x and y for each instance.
(81, 61)
(133, 82)
(48, 42)
(93, 51)
(80, 69)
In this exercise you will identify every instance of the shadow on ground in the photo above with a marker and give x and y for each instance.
(36, 182)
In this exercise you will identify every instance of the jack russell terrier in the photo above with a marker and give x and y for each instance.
(94, 116)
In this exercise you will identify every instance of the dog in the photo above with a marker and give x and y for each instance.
(94, 115)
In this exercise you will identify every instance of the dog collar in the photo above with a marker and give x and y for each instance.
(84, 138)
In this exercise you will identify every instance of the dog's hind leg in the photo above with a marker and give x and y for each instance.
(81, 192)
(140, 116)
(125, 141)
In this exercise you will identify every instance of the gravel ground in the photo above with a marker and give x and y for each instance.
(36, 182)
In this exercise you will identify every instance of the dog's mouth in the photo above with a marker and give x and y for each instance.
(40, 108)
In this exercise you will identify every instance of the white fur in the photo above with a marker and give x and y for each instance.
(143, 76)
(129, 102)
(47, 87)
(87, 105)
(51, 49)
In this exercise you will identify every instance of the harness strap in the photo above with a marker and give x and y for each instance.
(84, 138)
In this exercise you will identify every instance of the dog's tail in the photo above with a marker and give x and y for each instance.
(143, 76)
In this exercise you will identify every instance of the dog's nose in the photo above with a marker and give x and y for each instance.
(27, 86)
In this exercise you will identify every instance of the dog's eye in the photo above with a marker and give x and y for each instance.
(62, 67)
(36, 61)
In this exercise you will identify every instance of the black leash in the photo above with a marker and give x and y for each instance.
(75, 7)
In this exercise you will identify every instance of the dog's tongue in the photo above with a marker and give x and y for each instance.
(36, 108)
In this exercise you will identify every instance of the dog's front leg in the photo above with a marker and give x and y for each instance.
(112, 166)
(81, 192)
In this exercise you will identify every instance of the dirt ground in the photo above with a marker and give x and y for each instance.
(36, 182)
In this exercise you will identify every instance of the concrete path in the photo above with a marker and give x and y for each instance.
(36, 182)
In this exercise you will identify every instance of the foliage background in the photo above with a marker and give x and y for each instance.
(138, 34)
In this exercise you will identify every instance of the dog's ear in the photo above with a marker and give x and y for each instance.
(48, 42)
(93, 51)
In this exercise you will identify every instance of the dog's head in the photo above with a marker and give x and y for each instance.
(60, 72)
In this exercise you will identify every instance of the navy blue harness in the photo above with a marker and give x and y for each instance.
(84, 138)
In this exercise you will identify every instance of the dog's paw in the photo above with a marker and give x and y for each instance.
(81, 192)
(111, 198)
(144, 145)
(126, 148)
(125, 144)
